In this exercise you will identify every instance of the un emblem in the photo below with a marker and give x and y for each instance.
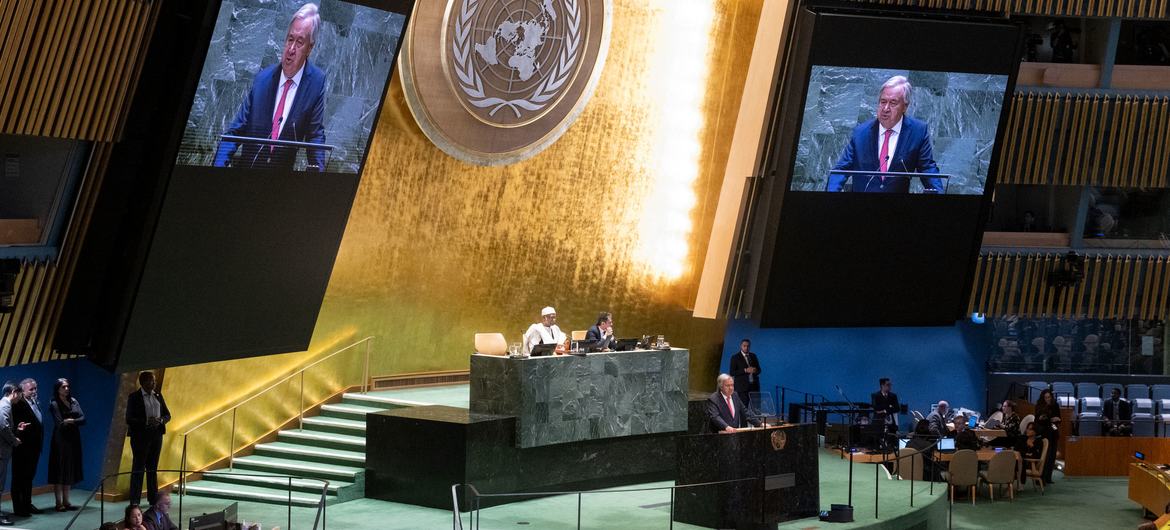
(497, 81)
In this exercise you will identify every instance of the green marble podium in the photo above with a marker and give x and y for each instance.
(570, 398)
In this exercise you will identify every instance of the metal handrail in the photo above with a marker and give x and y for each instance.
(319, 518)
(457, 523)
(300, 409)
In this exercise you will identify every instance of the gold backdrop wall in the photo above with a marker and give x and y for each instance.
(614, 216)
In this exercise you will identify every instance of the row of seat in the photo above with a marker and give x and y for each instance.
(1147, 415)
(1068, 390)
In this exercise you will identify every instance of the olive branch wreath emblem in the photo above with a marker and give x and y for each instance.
(472, 85)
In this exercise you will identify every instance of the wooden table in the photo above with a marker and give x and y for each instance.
(989, 434)
(1149, 487)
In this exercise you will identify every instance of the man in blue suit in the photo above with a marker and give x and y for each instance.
(891, 142)
(286, 102)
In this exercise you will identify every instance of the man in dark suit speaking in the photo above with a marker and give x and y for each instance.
(724, 409)
(286, 102)
(891, 142)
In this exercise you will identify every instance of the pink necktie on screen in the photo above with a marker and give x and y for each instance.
(731, 408)
(280, 114)
(883, 157)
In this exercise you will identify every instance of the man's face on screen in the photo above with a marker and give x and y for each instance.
(296, 46)
(891, 106)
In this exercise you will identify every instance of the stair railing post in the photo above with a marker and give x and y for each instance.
(366, 371)
(232, 446)
(301, 407)
(289, 503)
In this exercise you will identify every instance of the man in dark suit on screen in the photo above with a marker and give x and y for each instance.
(724, 409)
(745, 368)
(893, 142)
(146, 423)
(286, 102)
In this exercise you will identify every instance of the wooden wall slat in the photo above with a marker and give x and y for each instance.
(68, 67)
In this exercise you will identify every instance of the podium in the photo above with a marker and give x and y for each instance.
(279, 153)
(776, 472)
(887, 181)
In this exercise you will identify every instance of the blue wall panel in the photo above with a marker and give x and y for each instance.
(925, 364)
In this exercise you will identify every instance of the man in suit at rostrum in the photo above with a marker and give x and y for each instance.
(26, 455)
(724, 409)
(892, 142)
(286, 102)
(8, 439)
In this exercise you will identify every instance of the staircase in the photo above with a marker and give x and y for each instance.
(331, 446)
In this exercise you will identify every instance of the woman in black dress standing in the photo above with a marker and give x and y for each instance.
(65, 449)
(1048, 425)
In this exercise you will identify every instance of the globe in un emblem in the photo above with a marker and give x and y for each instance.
(512, 60)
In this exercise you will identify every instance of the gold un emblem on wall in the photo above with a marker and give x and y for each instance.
(494, 82)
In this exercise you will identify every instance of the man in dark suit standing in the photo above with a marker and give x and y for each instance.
(286, 102)
(724, 409)
(602, 332)
(890, 142)
(8, 429)
(885, 403)
(745, 368)
(146, 422)
(26, 455)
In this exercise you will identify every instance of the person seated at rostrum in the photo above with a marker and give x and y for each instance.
(545, 332)
(1118, 415)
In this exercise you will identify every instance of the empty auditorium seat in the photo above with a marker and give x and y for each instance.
(1159, 392)
(1062, 388)
(1163, 416)
(1035, 388)
(1089, 418)
(1143, 417)
(1085, 389)
(1137, 391)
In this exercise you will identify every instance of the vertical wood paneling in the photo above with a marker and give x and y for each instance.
(67, 67)
(1121, 286)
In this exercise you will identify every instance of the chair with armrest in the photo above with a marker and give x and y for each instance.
(1159, 392)
(1063, 388)
(963, 472)
(1089, 418)
(910, 464)
(491, 344)
(1036, 467)
(1163, 416)
(1143, 417)
(578, 335)
(1001, 470)
(1024, 422)
(1137, 391)
(1035, 388)
(1086, 389)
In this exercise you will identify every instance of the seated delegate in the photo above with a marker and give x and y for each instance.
(545, 332)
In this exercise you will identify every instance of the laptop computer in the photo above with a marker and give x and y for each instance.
(541, 350)
(626, 344)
